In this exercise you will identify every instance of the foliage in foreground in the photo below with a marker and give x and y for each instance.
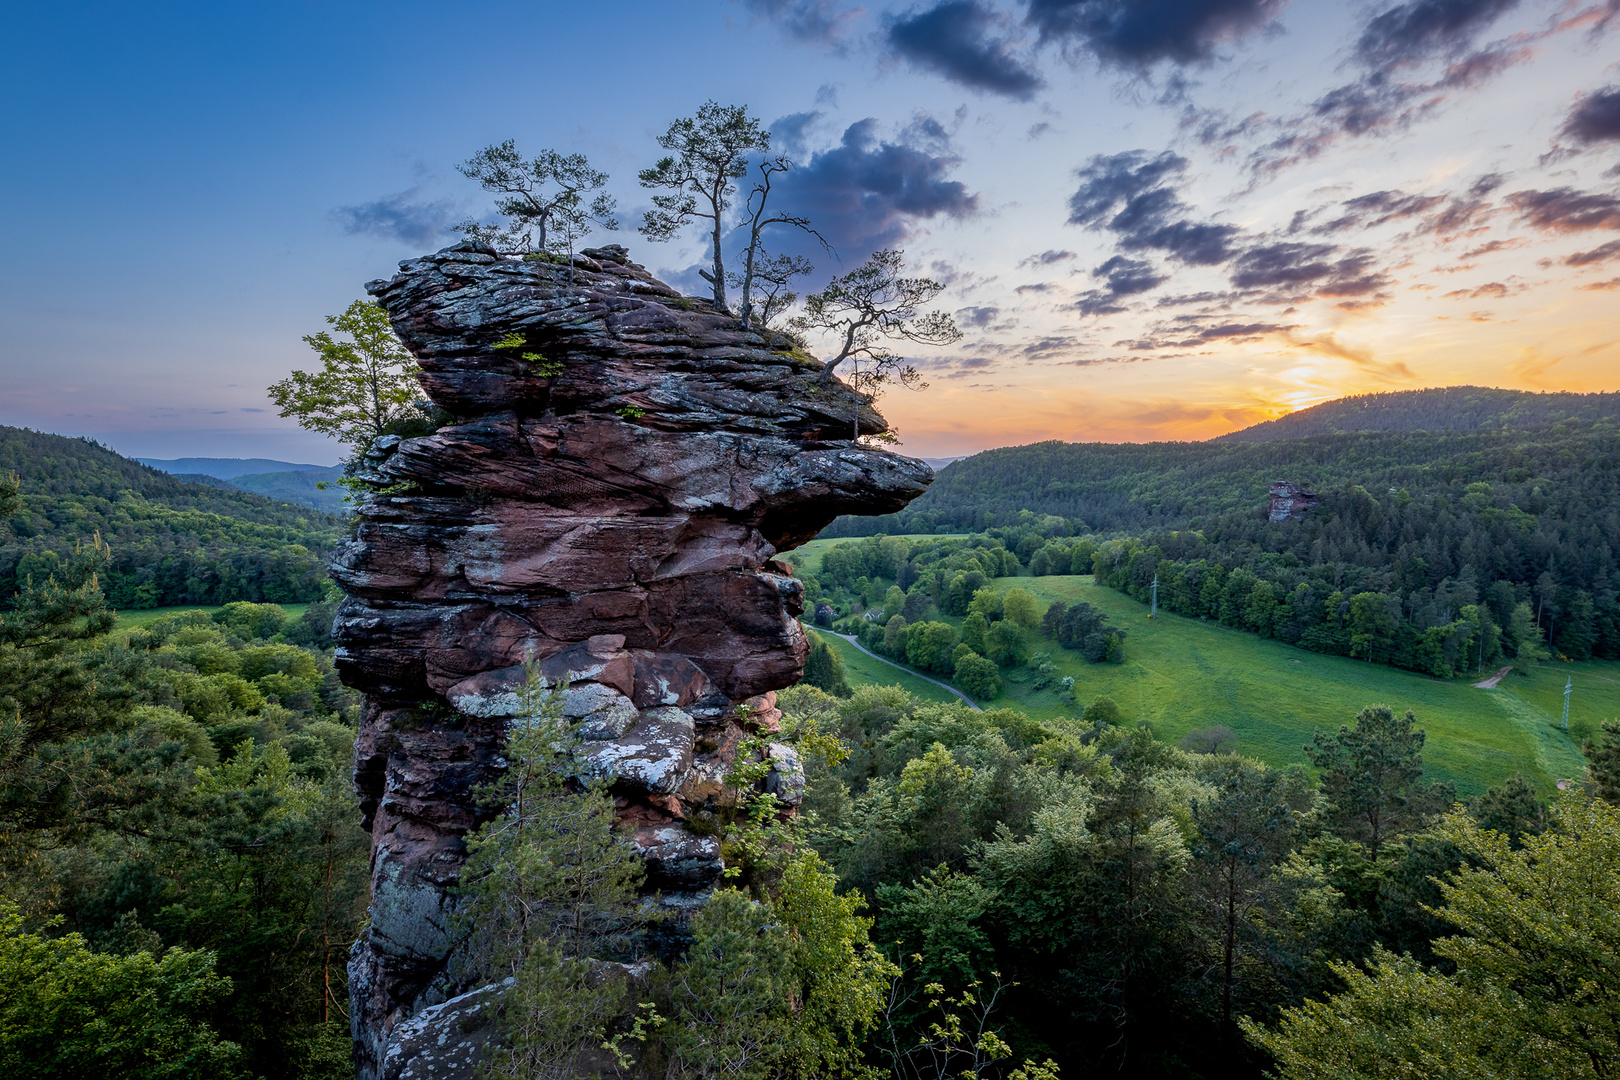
(68, 1011)
(1527, 986)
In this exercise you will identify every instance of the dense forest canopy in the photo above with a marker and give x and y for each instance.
(173, 542)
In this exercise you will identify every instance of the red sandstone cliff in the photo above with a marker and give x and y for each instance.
(608, 501)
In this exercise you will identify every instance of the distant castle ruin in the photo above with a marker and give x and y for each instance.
(1289, 501)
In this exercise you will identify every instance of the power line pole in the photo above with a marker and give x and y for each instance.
(1568, 685)
(1154, 613)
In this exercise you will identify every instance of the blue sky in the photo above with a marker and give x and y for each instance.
(1156, 218)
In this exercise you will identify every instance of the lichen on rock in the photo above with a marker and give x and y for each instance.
(611, 514)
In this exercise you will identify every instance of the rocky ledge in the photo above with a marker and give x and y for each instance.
(623, 467)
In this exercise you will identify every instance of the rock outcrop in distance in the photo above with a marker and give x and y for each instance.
(624, 465)
(1289, 501)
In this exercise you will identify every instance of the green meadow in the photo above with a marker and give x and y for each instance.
(862, 670)
(135, 619)
(1180, 674)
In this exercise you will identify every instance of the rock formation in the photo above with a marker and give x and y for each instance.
(624, 465)
(1289, 501)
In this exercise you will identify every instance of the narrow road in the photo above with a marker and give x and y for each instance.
(914, 674)
(1490, 683)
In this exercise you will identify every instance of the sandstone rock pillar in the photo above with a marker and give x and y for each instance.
(623, 467)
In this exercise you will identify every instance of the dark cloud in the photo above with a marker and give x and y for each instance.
(1567, 210)
(1127, 277)
(1379, 208)
(1036, 287)
(957, 39)
(1596, 117)
(1046, 258)
(1312, 269)
(1135, 196)
(1601, 254)
(398, 217)
(1099, 302)
(1191, 331)
(1416, 31)
(979, 317)
(1444, 215)
(1048, 347)
(1141, 33)
(867, 193)
(818, 22)
(1108, 181)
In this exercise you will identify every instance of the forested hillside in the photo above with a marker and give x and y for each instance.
(173, 542)
(1129, 487)
(1444, 408)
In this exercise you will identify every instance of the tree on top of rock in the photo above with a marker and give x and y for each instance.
(710, 153)
(869, 307)
(546, 194)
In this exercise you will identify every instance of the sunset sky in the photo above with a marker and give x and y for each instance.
(1156, 218)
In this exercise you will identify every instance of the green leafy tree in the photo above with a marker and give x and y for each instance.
(365, 383)
(894, 637)
(1018, 605)
(548, 885)
(1243, 834)
(67, 1012)
(1534, 991)
(710, 152)
(1005, 644)
(824, 669)
(978, 677)
(543, 199)
(929, 646)
(974, 628)
(1372, 778)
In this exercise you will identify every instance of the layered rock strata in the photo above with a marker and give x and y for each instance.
(624, 465)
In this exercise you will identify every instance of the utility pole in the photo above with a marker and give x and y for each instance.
(1479, 668)
(1154, 613)
(1568, 685)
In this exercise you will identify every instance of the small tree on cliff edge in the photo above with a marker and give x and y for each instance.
(364, 384)
(867, 308)
(546, 194)
(710, 152)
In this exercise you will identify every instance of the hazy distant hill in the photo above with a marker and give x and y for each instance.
(173, 542)
(1447, 408)
(224, 468)
(298, 487)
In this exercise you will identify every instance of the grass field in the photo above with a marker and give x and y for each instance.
(862, 670)
(134, 620)
(1180, 674)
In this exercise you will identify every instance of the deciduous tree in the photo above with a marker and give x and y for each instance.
(364, 383)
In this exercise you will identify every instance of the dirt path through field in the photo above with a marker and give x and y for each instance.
(1490, 683)
(943, 686)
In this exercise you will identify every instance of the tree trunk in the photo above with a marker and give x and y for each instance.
(747, 310)
(719, 266)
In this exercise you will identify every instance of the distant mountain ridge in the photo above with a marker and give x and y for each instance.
(1445, 408)
(224, 468)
